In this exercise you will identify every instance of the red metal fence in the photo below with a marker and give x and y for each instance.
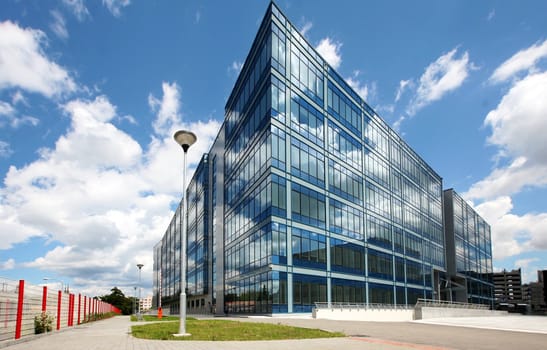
(21, 303)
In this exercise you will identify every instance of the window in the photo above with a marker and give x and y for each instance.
(307, 163)
(306, 120)
(379, 232)
(305, 75)
(345, 220)
(343, 109)
(345, 183)
(278, 99)
(309, 248)
(308, 206)
(380, 265)
(342, 145)
(347, 257)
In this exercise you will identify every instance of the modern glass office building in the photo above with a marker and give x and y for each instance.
(312, 196)
(468, 251)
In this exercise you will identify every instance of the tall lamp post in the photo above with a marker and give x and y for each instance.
(185, 139)
(139, 317)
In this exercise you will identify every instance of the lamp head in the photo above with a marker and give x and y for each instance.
(185, 139)
(140, 266)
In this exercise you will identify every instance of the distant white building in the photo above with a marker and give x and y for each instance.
(145, 303)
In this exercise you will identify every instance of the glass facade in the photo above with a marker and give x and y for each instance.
(314, 197)
(469, 247)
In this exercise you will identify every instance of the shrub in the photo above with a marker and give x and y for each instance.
(43, 323)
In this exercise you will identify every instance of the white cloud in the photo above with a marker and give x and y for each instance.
(306, 28)
(9, 114)
(168, 109)
(6, 109)
(99, 194)
(115, 6)
(58, 26)
(362, 89)
(403, 85)
(524, 60)
(5, 149)
(7, 265)
(18, 97)
(513, 234)
(397, 124)
(330, 51)
(197, 16)
(519, 126)
(23, 63)
(444, 75)
(78, 8)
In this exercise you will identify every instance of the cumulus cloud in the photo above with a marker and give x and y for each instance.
(330, 51)
(513, 234)
(99, 195)
(167, 108)
(444, 75)
(23, 63)
(58, 26)
(524, 60)
(115, 6)
(518, 125)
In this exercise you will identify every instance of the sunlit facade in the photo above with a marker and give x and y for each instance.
(313, 197)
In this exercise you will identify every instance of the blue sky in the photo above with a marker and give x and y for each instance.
(91, 92)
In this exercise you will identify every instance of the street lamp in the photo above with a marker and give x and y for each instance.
(185, 139)
(139, 317)
(54, 279)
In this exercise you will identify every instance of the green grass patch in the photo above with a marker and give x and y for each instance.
(222, 330)
(152, 318)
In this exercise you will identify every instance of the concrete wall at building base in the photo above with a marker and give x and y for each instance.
(400, 315)
(423, 313)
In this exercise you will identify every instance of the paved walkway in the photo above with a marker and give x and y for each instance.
(113, 334)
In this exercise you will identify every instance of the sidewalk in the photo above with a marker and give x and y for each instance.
(114, 334)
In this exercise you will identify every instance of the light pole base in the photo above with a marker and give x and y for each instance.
(182, 335)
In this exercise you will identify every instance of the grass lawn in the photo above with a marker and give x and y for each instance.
(228, 330)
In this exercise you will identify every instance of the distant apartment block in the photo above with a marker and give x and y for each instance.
(508, 291)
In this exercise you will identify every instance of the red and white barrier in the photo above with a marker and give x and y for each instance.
(21, 302)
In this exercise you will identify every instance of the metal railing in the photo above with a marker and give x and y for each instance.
(361, 306)
(450, 304)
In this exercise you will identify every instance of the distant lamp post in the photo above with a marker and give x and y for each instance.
(139, 316)
(185, 139)
(54, 279)
(135, 300)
